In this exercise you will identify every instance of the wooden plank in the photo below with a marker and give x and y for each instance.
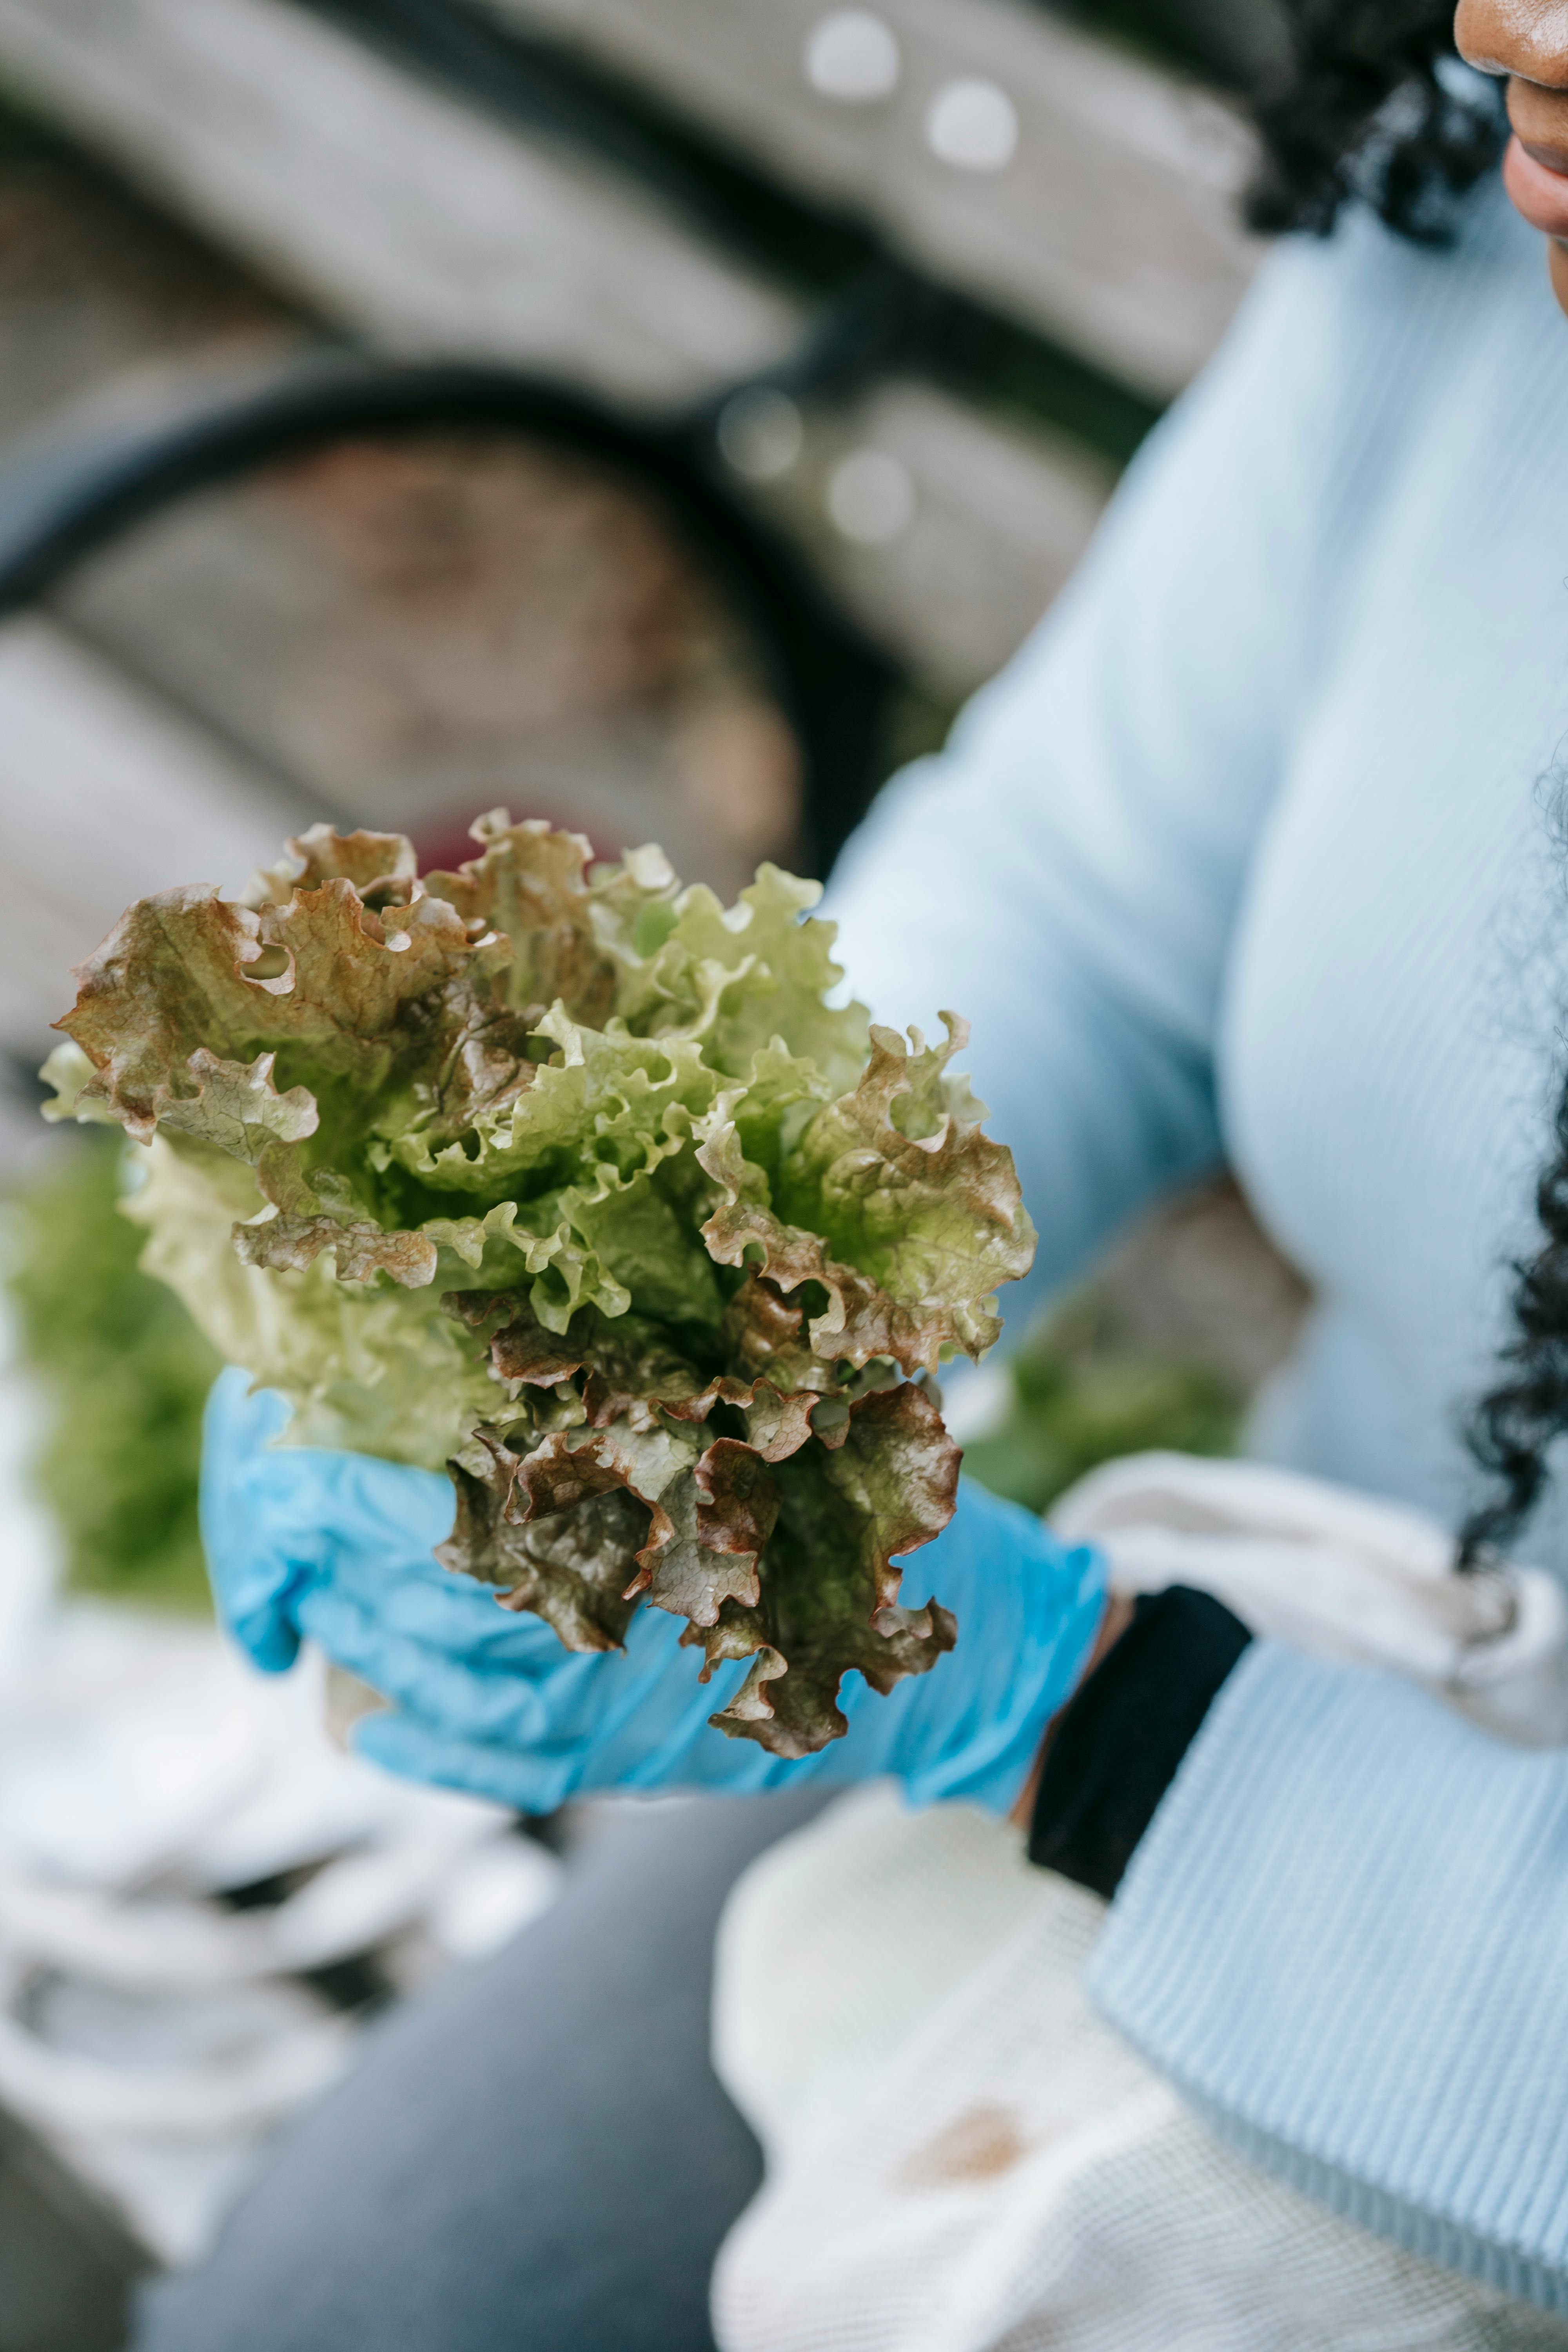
(387, 205)
(996, 522)
(413, 222)
(106, 794)
(1112, 225)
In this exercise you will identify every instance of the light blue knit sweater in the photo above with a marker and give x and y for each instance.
(1248, 854)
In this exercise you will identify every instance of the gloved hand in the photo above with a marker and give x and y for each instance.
(338, 1547)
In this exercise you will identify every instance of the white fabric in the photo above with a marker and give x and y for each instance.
(962, 2156)
(1339, 1574)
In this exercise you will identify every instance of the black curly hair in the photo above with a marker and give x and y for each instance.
(1513, 1429)
(1364, 108)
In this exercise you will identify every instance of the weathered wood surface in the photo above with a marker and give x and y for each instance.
(997, 520)
(427, 229)
(386, 205)
(1114, 225)
(105, 793)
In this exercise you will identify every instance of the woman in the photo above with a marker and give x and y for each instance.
(1242, 857)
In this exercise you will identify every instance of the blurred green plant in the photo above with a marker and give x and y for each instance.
(125, 1374)
(1085, 1390)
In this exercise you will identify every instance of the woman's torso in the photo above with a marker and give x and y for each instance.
(1397, 984)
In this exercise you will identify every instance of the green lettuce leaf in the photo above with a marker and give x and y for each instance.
(891, 1199)
(589, 1188)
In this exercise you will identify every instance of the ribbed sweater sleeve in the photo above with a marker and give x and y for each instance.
(1344, 1938)
(1066, 872)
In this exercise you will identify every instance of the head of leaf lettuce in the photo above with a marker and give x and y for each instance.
(585, 1186)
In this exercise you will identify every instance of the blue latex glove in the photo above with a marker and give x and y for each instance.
(337, 1547)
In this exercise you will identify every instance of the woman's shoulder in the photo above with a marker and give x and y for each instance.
(1365, 297)
(1353, 350)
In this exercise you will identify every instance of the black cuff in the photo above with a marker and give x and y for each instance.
(1119, 1742)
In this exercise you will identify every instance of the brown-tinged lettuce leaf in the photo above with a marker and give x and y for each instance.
(186, 1008)
(586, 1186)
(829, 1597)
(528, 885)
(320, 981)
(381, 865)
(571, 1565)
